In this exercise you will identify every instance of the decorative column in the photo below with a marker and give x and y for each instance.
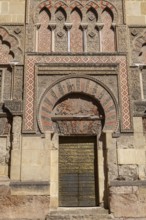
(52, 26)
(99, 27)
(37, 26)
(115, 39)
(84, 27)
(140, 67)
(68, 27)
(12, 81)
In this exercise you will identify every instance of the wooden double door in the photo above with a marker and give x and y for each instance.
(78, 177)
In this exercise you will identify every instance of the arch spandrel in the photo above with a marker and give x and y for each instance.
(83, 86)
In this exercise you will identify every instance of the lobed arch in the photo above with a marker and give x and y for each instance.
(77, 9)
(76, 34)
(91, 3)
(93, 10)
(78, 84)
(62, 9)
(6, 44)
(12, 43)
(46, 10)
(109, 11)
(138, 43)
(102, 5)
(43, 31)
(43, 4)
(142, 55)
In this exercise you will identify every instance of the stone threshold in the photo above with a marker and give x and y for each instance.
(79, 213)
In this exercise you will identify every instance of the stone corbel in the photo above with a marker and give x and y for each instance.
(139, 108)
(13, 106)
(68, 27)
(52, 26)
(84, 27)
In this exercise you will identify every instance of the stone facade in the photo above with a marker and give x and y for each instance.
(73, 71)
(12, 11)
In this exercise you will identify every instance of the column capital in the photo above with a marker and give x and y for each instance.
(114, 25)
(99, 26)
(38, 25)
(68, 26)
(84, 26)
(52, 26)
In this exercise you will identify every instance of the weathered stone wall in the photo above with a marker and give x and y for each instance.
(128, 201)
(12, 11)
(136, 12)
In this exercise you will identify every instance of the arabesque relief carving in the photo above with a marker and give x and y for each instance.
(77, 114)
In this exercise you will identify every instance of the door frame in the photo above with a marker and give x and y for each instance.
(52, 140)
(93, 140)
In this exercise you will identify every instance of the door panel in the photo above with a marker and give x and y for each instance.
(77, 171)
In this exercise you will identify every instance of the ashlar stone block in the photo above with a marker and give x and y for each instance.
(131, 156)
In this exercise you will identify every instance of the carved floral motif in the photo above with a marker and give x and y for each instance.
(77, 114)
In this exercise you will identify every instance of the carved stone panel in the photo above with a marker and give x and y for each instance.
(139, 108)
(60, 32)
(18, 83)
(30, 38)
(137, 44)
(49, 74)
(7, 84)
(93, 40)
(77, 85)
(77, 114)
(13, 106)
(122, 38)
(135, 84)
